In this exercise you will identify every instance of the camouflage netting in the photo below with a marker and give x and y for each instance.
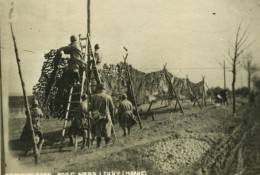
(52, 89)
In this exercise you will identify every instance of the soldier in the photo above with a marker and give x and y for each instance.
(79, 124)
(97, 55)
(102, 109)
(125, 115)
(75, 58)
(98, 59)
(26, 136)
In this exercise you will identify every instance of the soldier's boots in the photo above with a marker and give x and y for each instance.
(71, 141)
(107, 140)
(98, 142)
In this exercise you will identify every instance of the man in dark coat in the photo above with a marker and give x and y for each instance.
(74, 56)
(125, 115)
(26, 136)
(79, 124)
(102, 108)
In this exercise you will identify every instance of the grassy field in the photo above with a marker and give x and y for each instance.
(207, 141)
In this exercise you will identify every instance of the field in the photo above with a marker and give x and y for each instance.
(207, 141)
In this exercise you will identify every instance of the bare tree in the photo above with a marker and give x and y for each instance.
(246, 63)
(239, 47)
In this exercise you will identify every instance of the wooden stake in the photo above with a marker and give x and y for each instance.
(132, 92)
(175, 106)
(196, 100)
(26, 105)
(151, 103)
(173, 91)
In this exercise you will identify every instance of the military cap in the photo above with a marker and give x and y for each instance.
(96, 46)
(73, 38)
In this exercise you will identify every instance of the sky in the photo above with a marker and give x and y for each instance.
(192, 37)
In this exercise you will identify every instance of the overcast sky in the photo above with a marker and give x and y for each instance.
(191, 36)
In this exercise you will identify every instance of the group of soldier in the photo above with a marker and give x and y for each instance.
(99, 107)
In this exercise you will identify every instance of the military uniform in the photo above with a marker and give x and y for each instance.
(125, 115)
(102, 109)
(26, 136)
(98, 59)
(36, 114)
(75, 62)
(79, 124)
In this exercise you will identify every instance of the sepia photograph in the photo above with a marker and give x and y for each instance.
(130, 87)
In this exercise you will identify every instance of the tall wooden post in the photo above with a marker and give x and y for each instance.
(26, 105)
(2, 125)
(132, 91)
(88, 73)
(88, 17)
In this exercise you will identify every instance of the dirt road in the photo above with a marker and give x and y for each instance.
(208, 141)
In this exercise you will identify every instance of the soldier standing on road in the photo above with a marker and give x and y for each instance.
(75, 58)
(79, 124)
(102, 109)
(26, 136)
(125, 115)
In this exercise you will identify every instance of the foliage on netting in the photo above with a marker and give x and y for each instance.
(52, 89)
(144, 84)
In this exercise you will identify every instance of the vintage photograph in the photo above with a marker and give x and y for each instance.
(130, 87)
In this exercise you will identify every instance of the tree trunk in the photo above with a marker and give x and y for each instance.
(233, 86)
(249, 81)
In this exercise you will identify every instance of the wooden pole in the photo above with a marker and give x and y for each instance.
(2, 125)
(88, 73)
(26, 105)
(175, 106)
(149, 108)
(196, 100)
(88, 17)
(169, 81)
(132, 91)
